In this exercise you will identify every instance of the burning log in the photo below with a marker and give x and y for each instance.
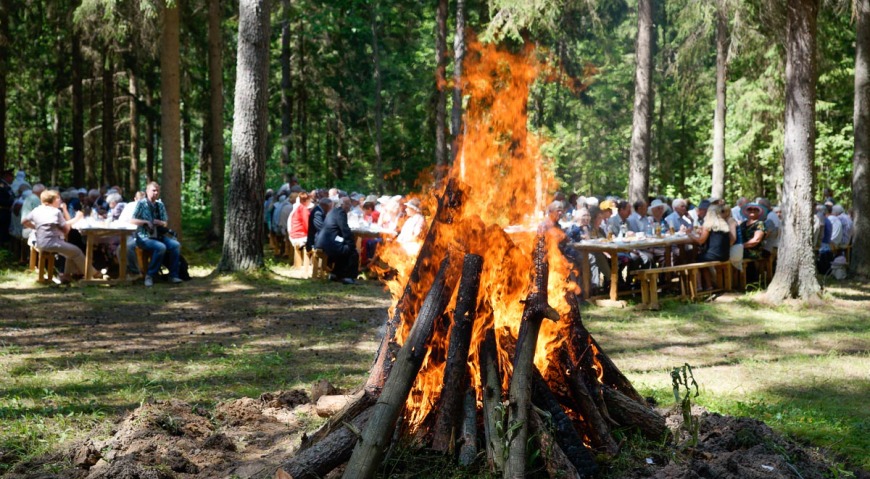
(449, 207)
(630, 413)
(555, 460)
(569, 441)
(599, 428)
(493, 412)
(456, 370)
(334, 450)
(520, 394)
(468, 436)
(369, 450)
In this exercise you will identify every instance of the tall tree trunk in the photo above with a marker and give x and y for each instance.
(441, 89)
(78, 112)
(860, 260)
(286, 93)
(795, 269)
(216, 118)
(150, 135)
(5, 40)
(170, 114)
(723, 42)
(91, 154)
(133, 179)
(302, 93)
(379, 114)
(458, 57)
(108, 124)
(243, 237)
(638, 180)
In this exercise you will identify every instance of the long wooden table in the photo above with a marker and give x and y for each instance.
(93, 233)
(614, 248)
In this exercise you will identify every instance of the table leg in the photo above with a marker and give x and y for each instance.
(89, 256)
(586, 273)
(614, 275)
(668, 256)
(122, 258)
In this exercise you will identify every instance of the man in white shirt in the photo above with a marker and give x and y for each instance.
(737, 211)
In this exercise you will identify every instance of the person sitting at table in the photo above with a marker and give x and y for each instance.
(391, 215)
(717, 237)
(679, 220)
(409, 237)
(154, 236)
(638, 220)
(339, 244)
(579, 229)
(599, 263)
(316, 218)
(370, 214)
(116, 205)
(51, 223)
(298, 223)
(616, 222)
(753, 230)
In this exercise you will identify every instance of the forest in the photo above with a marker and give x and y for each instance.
(354, 95)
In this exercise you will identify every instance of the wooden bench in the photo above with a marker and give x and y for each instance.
(301, 259)
(320, 267)
(688, 277)
(764, 267)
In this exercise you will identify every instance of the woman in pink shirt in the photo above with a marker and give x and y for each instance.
(298, 222)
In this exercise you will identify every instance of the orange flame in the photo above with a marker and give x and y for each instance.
(507, 181)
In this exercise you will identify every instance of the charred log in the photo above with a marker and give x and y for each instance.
(555, 460)
(468, 434)
(456, 370)
(630, 413)
(569, 440)
(493, 411)
(449, 207)
(369, 450)
(334, 450)
(361, 402)
(598, 429)
(520, 394)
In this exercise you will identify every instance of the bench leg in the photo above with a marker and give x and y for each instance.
(653, 287)
(644, 289)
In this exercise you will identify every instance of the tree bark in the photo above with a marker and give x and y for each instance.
(638, 181)
(5, 41)
(78, 112)
(133, 179)
(629, 413)
(493, 418)
(795, 269)
(286, 92)
(860, 260)
(150, 144)
(243, 236)
(723, 42)
(468, 430)
(456, 379)
(520, 394)
(555, 460)
(216, 118)
(170, 114)
(379, 114)
(458, 57)
(369, 450)
(441, 89)
(108, 119)
(329, 453)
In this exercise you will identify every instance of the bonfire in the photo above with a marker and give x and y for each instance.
(485, 353)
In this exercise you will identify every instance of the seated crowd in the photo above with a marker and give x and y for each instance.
(49, 220)
(718, 232)
(324, 219)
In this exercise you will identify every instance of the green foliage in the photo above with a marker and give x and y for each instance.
(683, 379)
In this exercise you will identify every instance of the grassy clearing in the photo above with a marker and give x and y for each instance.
(73, 359)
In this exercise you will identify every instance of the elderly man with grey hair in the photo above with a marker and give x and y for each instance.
(679, 219)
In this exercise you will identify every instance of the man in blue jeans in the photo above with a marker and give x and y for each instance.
(153, 235)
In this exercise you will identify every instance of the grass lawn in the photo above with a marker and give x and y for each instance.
(72, 360)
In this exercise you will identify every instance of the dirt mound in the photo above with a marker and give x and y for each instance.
(733, 447)
(173, 440)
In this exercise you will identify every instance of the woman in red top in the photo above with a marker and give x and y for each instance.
(298, 222)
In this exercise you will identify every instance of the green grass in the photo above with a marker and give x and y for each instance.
(72, 360)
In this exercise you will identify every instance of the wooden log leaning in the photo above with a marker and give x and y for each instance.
(369, 450)
(569, 440)
(630, 413)
(362, 401)
(468, 431)
(493, 412)
(599, 428)
(520, 394)
(331, 452)
(449, 207)
(555, 460)
(455, 381)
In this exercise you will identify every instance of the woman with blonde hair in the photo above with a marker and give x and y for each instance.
(717, 237)
(51, 222)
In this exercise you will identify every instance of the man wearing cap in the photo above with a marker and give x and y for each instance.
(698, 214)
(413, 227)
(339, 244)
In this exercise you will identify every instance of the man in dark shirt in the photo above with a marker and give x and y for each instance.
(316, 219)
(339, 244)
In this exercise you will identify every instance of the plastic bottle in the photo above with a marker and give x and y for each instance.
(623, 229)
(94, 216)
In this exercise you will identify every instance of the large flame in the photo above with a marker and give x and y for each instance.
(507, 181)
